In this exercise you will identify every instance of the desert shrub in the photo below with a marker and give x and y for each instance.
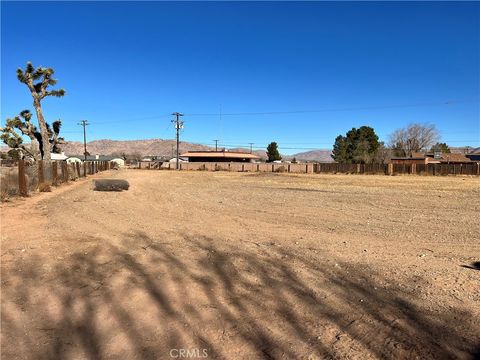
(3, 195)
(280, 169)
(44, 187)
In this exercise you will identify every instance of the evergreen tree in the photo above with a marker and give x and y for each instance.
(272, 152)
(442, 147)
(357, 146)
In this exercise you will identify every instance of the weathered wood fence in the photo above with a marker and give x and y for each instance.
(327, 168)
(20, 178)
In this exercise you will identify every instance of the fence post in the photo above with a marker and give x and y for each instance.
(65, 171)
(478, 168)
(41, 177)
(54, 173)
(77, 165)
(389, 169)
(22, 181)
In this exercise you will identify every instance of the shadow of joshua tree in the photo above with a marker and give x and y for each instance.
(143, 297)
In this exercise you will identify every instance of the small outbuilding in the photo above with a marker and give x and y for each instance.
(80, 158)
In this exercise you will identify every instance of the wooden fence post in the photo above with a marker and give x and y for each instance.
(77, 165)
(41, 177)
(389, 169)
(22, 181)
(65, 171)
(54, 173)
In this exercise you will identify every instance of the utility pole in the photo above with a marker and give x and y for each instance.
(251, 147)
(84, 123)
(216, 143)
(178, 125)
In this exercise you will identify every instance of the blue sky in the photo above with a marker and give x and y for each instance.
(126, 66)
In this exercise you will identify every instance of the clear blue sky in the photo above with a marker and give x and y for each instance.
(126, 66)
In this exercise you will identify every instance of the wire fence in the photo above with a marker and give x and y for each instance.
(19, 178)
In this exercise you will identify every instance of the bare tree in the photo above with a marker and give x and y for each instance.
(413, 138)
(38, 81)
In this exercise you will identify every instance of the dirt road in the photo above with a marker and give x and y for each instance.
(244, 266)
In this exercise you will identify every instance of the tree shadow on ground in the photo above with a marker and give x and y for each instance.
(142, 298)
(475, 265)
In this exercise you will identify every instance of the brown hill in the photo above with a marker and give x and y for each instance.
(156, 147)
(313, 155)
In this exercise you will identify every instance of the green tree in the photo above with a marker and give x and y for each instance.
(294, 160)
(38, 80)
(442, 147)
(272, 152)
(340, 150)
(357, 146)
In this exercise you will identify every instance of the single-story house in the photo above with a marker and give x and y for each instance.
(219, 156)
(474, 155)
(432, 158)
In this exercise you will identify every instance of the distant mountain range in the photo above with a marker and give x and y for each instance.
(161, 147)
(166, 148)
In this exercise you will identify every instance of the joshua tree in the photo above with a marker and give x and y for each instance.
(38, 81)
(22, 122)
(15, 141)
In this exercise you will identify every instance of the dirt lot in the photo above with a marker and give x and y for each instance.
(244, 266)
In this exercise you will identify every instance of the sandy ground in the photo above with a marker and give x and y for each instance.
(244, 266)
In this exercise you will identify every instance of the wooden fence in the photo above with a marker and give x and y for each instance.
(20, 178)
(326, 168)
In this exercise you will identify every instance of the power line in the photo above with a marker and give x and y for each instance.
(332, 109)
(221, 113)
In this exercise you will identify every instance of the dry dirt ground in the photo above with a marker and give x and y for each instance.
(244, 266)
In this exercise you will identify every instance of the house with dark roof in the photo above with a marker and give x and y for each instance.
(432, 158)
(474, 155)
(219, 156)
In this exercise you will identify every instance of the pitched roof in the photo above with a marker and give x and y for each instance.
(220, 154)
(454, 158)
